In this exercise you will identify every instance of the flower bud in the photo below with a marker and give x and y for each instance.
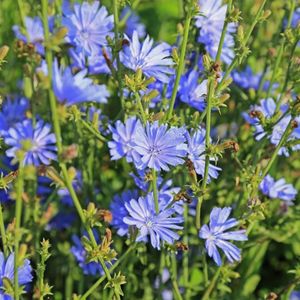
(3, 52)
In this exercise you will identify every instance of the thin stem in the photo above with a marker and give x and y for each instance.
(280, 52)
(181, 63)
(119, 66)
(93, 131)
(101, 279)
(185, 260)
(22, 16)
(176, 290)
(280, 144)
(211, 286)
(224, 30)
(155, 191)
(140, 106)
(18, 216)
(207, 145)
(3, 232)
(248, 35)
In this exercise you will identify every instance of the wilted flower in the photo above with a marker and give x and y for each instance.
(216, 237)
(7, 271)
(122, 135)
(158, 147)
(278, 189)
(88, 26)
(35, 31)
(36, 141)
(159, 226)
(154, 62)
(196, 153)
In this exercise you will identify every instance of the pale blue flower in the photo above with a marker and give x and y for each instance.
(133, 23)
(153, 61)
(36, 141)
(159, 226)
(278, 189)
(71, 89)
(216, 237)
(122, 135)
(88, 26)
(196, 153)
(158, 146)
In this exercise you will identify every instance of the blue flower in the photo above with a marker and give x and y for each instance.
(12, 112)
(211, 20)
(247, 79)
(74, 89)
(196, 153)
(119, 211)
(132, 23)
(216, 237)
(61, 221)
(95, 63)
(158, 147)
(89, 268)
(36, 141)
(192, 92)
(7, 270)
(34, 28)
(159, 226)
(154, 62)
(278, 189)
(122, 135)
(295, 295)
(88, 26)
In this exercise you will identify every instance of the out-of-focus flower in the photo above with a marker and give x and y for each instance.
(73, 89)
(211, 20)
(12, 112)
(216, 237)
(88, 26)
(95, 63)
(119, 211)
(36, 141)
(278, 189)
(191, 91)
(196, 153)
(158, 147)
(89, 268)
(132, 23)
(122, 135)
(154, 62)
(7, 270)
(159, 226)
(35, 31)
(61, 221)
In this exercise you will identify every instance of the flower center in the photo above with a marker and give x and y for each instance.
(85, 35)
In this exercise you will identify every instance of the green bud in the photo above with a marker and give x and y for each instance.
(3, 52)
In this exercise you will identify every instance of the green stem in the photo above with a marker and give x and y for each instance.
(280, 144)
(155, 191)
(181, 63)
(185, 260)
(101, 279)
(140, 106)
(211, 286)
(18, 216)
(93, 131)
(119, 66)
(224, 30)
(22, 16)
(248, 35)
(176, 290)
(207, 145)
(3, 232)
(280, 52)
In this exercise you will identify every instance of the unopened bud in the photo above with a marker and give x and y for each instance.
(3, 52)
(61, 33)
